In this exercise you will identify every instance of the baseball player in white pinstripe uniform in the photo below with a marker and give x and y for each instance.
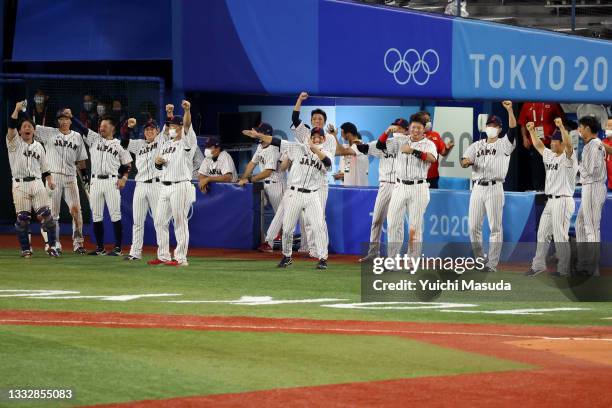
(386, 179)
(276, 225)
(415, 153)
(110, 166)
(175, 160)
(309, 165)
(65, 148)
(28, 168)
(302, 134)
(592, 170)
(217, 168)
(146, 193)
(490, 158)
(561, 166)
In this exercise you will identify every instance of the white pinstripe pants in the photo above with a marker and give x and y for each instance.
(174, 202)
(487, 200)
(588, 227)
(67, 187)
(308, 237)
(379, 215)
(415, 199)
(146, 196)
(274, 194)
(105, 191)
(310, 204)
(555, 223)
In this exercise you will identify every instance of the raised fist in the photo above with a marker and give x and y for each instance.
(170, 109)
(186, 105)
(131, 123)
(331, 129)
(559, 122)
(19, 106)
(507, 105)
(530, 126)
(303, 96)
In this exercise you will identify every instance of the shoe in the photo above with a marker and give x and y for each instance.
(52, 252)
(26, 254)
(131, 258)
(265, 247)
(532, 272)
(171, 263)
(59, 250)
(80, 250)
(488, 269)
(97, 251)
(155, 261)
(367, 258)
(310, 256)
(184, 263)
(285, 262)
(322, 264)
(115, 252)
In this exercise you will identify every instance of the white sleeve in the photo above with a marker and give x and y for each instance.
(547, 156)
(431, 148)
(82, 152)
(190, 139)
(124, 156)
(272, 157)
(134, 146)
(507, 146)
(290, 148)
(470, 152)
(393, 146)
(227, 166)
(357, 152)
(203, 170)
(375, 151)
(44, 166)
(91, 137)
(301, 133)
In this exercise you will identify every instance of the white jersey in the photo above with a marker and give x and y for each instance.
(386, 165)
(106, 154)
(307, 171)
(355, 168)
(63, 151)
(302, 135)
(593, 166)
(146, 153)
(26, 159)
(490, 160)
(178, 155)
(560, 173)
(219, 166)
(408, 166)
(269, 158)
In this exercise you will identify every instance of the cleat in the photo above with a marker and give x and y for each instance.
(97, 251)
(322, 264)
(59, 250)
(488, 269)
(52, 252)
(285, 262)
(155, 261)
(26, 254)
(533, 272)
(115, 252)
(171, 263)
(265, 247)
(80, 250)
(367, 258)
(131, 258)
(183, 263)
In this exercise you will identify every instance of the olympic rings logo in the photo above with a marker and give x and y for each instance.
(405, 67)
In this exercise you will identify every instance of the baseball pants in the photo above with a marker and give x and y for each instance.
(379, 215)
(28, 195)
(309, 236)
(105, 191)
(146, 197)
(588, 233)
(310, 204)
(67, 187)
(274, 194)
(415, 199)
(555, 223)
(487, 200)
(175, 201)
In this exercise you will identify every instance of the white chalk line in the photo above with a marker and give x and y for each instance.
(300, 329)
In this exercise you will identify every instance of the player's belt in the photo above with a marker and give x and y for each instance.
(302, 190)
(156, 179)
(269, 182)
(169, 183)
(554, 196)
(103, 176)
(410, 182)
(387, 182)
(26, 179)
(486, 183)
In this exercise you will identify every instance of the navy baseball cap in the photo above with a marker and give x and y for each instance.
(403, 123)
(318, 130)
(213, 142)
(265, 128)
(150, 124)
(557, 135)
(494, 120)
(349, 128)
(176, 120)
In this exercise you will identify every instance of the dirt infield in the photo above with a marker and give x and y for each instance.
(572, 363)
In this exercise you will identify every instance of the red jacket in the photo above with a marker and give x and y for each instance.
(440, 148)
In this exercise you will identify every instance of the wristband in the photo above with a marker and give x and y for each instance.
(416, 153)
(12, 123)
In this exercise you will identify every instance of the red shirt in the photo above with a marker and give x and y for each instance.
(608, 141)
(440, 148)
(541, 114)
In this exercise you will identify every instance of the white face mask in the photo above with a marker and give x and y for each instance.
(428, 126)
(87, 106)
(491, 132)
(100, 109)
(608, 132)
(207, 153)
(39, 100)
(172, 133)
